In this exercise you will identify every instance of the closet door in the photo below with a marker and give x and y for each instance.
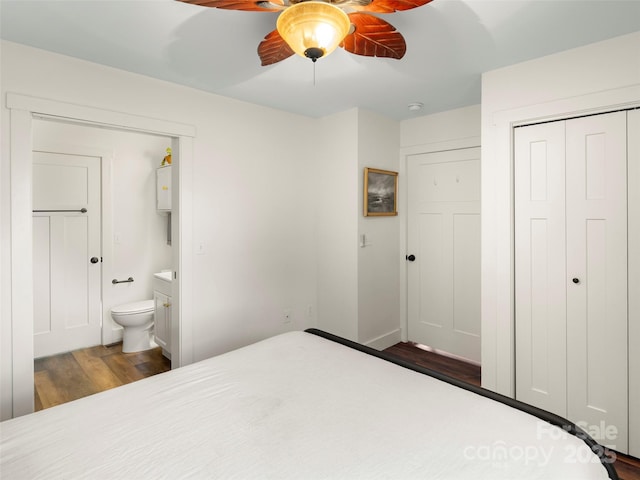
(596, 286)
(540, 274)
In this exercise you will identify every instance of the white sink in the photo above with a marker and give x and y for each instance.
(166, 276)
(162, 282)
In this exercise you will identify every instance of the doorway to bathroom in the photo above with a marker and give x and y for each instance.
(97, 236)
(23, 112)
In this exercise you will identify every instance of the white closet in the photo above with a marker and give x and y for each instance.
(571, 271)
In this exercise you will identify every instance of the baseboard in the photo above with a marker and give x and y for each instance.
(114, 336)
(385, 341)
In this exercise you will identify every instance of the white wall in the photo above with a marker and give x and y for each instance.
(138, 247)
(594, 78)
(358, 288)
(252, 212)
(252, 202)
(442, 130)
(378, 262)
(336, 217)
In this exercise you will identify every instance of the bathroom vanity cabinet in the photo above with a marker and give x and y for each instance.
(162, 324)
(162, 301)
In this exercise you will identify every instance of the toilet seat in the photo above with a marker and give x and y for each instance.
(144, 306)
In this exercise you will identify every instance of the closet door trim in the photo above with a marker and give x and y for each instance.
(633, 212)
(497, 316)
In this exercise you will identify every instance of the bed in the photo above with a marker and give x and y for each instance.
(300, 405)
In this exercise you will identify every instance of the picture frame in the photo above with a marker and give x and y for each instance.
(380, 193)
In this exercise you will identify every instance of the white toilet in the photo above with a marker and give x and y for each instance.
(136, 320)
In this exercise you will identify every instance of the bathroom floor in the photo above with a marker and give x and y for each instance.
(69, 376)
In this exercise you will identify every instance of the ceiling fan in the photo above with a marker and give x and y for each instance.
(314, 28)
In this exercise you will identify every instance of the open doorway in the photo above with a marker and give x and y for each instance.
(95, 221)
(86, 181)
(23, 111)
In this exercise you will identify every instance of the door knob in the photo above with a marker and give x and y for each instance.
(94, 260)
(411, 258)
(576, 280)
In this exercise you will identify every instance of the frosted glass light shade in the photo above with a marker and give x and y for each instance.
(313, 29)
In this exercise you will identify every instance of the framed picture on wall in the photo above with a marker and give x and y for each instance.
(380, 193)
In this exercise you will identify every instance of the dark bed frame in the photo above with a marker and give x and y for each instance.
(601, 452)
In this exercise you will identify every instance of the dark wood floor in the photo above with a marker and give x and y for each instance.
(69, 376)
(628, 468)
(410, 352)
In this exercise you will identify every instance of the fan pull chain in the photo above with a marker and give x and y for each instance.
(314, 74)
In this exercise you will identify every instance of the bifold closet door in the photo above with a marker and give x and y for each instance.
(570, 190)
(540, 283)
(597, 354)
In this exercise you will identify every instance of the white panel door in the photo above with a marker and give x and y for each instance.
(571, 293)
(597, 271)
(540, 273)
(444, 237)
(67, 299)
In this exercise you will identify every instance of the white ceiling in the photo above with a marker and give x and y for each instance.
(449, 44)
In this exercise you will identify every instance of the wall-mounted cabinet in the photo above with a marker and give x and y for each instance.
(163, 189)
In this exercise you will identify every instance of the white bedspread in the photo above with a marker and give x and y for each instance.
(295, 406)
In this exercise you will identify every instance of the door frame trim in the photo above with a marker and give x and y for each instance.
(403, 202)
(22, 109)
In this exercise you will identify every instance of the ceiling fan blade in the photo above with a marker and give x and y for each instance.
(374, 37)
(387, 6)
(273, 49)
(245, 5)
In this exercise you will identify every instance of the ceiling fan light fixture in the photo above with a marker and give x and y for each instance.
(313, 29)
